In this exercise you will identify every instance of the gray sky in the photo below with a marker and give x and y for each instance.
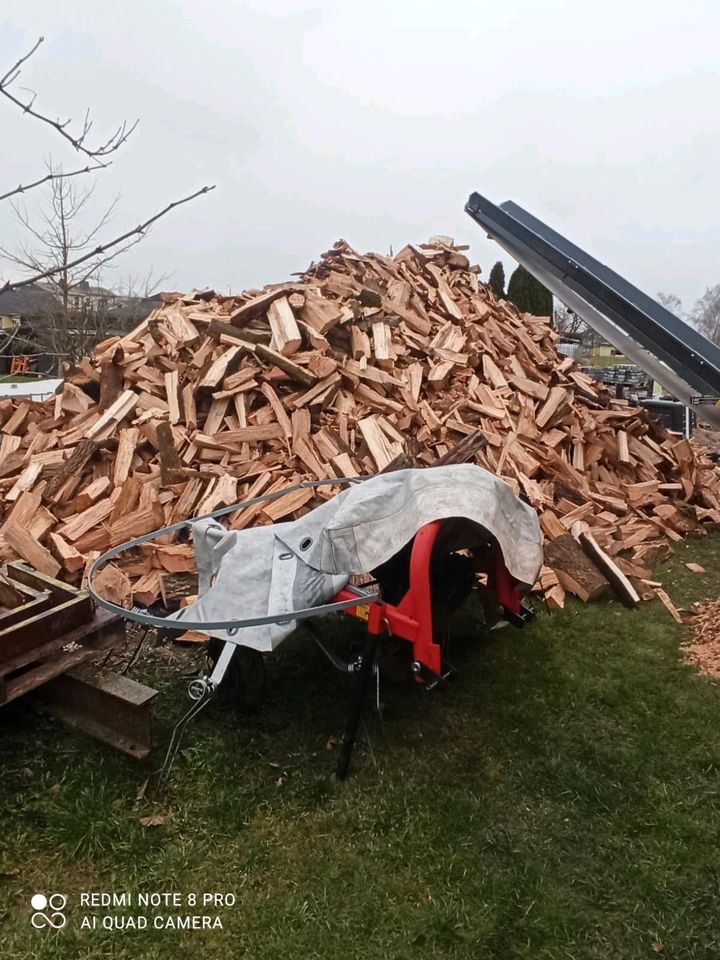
(374, 122)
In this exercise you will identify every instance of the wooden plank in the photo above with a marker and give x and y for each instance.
(43, 627)
(303, 450)
(492, 372)
(216, 415)
(41, 582)
(170, 466)
(188, 404)
(27, 547)
(229, 439)
(321, 393)
(242, 340)
(9, 618)
(538, 391)
(11, 594)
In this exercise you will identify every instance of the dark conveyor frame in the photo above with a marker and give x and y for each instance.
(669, 350)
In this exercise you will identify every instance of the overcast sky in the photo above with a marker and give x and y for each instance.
(374, 121)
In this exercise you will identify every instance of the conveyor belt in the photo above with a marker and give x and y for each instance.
(670, 351)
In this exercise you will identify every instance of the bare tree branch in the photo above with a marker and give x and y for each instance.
(15, 69)
(103, 247)
(113, 143)
(77, 311)
(54, 175)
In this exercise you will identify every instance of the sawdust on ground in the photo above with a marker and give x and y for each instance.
(703, 650)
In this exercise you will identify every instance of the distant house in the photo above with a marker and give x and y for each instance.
(84, 295)
(22, 309)
(604, 350)
(19, 309)
(22, 304)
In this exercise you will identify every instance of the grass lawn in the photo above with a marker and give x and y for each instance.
(560, 800)
(20, 378)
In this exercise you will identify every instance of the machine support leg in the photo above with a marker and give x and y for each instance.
(364, 676)
(201, 692)
(223, 662)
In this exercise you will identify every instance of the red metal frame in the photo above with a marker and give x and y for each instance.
(411, 619)
(19, 365)
(502, 583)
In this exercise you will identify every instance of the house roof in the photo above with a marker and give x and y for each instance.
(89, 290)
(27, 302)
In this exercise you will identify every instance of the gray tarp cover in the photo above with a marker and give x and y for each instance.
(303, 563)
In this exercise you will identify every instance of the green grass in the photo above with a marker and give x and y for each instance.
(603, 360)
(21, 378)
(560, 800)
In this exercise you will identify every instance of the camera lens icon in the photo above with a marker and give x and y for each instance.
(55, 904)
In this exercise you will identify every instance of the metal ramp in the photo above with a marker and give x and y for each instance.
(682, 360)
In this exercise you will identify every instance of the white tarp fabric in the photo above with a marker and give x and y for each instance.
(303, 563)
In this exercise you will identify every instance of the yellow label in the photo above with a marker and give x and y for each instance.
(362, 611)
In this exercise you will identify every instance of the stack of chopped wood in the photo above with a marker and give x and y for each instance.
(364, 361)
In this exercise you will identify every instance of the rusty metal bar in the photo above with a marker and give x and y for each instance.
(106, 705)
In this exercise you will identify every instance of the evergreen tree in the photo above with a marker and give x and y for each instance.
(497, 280)
(518, 292)
(528, 294)
(543, 300)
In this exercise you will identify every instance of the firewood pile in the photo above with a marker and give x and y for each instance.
(363, 363)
